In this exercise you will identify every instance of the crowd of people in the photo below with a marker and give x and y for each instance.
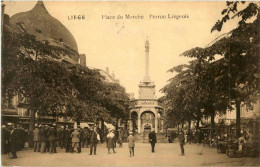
(46, 138)
(13, 139)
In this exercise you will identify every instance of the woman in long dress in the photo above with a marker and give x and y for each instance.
(110, 143)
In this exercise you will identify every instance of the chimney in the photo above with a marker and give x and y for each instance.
(113, 75)
(60, 40)
(6, 19)
(82, 60)
(107, 70)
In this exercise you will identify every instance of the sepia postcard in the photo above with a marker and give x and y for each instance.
(130, 83)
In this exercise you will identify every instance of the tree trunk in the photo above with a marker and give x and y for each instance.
(212, 123)
(116, 124)
(238, 103)
(189, 125)
(32, 120)
(198, 123)
(102, 125)
(178, 127)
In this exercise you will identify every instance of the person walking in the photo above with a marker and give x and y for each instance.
(93, 141)
(110, 141)
(62, 137)
(152, 139)
(115, 137)
(14, 141)
(131, 144)
(5, 136)
(58, 139)
(200, 142)
(47, 141)
(81, 134)
(52, 135)
(36, 139)
(181, 141)
(43, 138)
(84, 137)
(75, 139)
(120, 137)
(67, 135)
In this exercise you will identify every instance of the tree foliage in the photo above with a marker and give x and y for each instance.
(232, 79)
(33, 70)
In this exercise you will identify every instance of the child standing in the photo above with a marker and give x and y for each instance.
(131, 143)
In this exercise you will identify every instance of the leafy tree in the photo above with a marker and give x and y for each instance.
(181, 100)
(237, 73)
(32, 70)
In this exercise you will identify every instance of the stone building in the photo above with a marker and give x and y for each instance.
(46, 29)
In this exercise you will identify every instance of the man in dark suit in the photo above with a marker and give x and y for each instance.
(5, 135)
(14, 141)
(52, 135)
(181, 141)
(43, 138)
(152, 139)
(93, 141)
(67, 137)
(36, 139)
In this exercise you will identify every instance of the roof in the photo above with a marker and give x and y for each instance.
(39, 20)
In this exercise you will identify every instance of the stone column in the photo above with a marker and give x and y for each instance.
(75, 125)
(162, 125)
(130, 125)
(156, 124)
(139, 124)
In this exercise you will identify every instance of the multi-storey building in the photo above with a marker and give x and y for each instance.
(46, 29)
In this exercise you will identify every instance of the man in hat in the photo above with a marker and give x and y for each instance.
(36, 139)
(131, 143)
(58, 139)
(181, 141)
(14, 141)
(5, 136)
(62, 140)
(43, 138)
(152, 139)
(52, 134)
(110, 141)
(81, 135)
(93, 141)
(67, 138)
(75, 139)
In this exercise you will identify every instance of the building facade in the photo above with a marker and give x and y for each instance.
(47, 30)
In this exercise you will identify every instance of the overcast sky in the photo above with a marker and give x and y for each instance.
(119, 43)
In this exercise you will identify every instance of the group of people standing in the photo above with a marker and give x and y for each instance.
(13, 139)
(47, 138)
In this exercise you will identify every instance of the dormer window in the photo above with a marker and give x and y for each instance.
(46, 42)
(38, 30)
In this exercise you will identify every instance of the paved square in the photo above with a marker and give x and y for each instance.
(166, 154)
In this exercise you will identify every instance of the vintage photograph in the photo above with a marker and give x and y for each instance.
(130, 83)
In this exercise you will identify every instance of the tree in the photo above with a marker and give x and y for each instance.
(237, 73)
(181, 99)
(33, 70)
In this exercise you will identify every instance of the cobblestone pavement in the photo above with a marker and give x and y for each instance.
(166, 154)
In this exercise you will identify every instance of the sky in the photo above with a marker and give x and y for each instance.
(119, 43)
